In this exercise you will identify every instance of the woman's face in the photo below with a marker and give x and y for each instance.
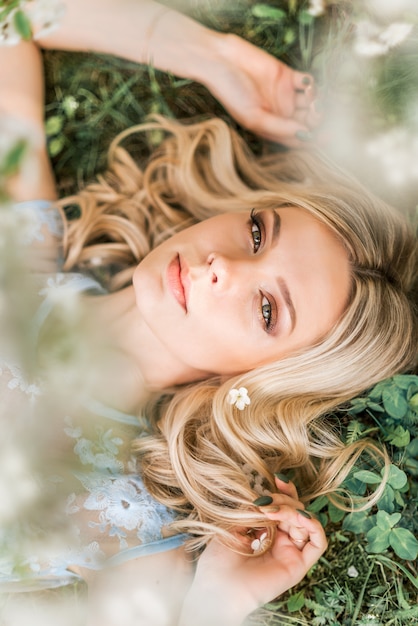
(240, 290)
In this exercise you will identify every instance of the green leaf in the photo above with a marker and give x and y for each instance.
(375, 407)
(14, 158)
(368, 477)
(397, 478)
(296, 602)
(358, 405)
(357, 522)
(341, 537)
(357, 487)
(378, 539)
(413, 402)
(289, 36)
(55, 145)
(398, 499)
(335, 514)
(384, 521)
(411, 465)
(398, 437)
(412, 448)
(376, 392)
(54, 124)
(22, 25)
(394, 402)
(318, 504)
(264, 11)
(404, 381)
(404, 543)
(387, 501)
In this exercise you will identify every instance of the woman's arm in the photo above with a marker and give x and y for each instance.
(258, 90)
(22, 105)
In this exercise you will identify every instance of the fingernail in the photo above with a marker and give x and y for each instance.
(306, 80)
(304, 513)
(282, 477)
(303, 135)
(263, 501)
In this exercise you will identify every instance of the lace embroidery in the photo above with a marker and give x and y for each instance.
(121, 501)
(18, 381)
(35, 216)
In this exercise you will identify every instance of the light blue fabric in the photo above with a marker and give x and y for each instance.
(112, 517)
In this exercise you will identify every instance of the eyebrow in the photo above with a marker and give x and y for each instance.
(282, 283)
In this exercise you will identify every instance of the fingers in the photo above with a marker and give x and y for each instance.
(301, 524)
(284, 485)
(302, 81)
(287, 131)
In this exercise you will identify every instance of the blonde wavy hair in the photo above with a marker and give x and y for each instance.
(204, 456)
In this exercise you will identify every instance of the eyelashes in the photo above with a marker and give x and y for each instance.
(268, 307)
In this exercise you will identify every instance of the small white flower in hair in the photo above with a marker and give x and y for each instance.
(257, 545)
(239, 397)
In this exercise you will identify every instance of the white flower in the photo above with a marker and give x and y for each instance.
(62, 296)
(396, 33)
(352, 572)
(257, 545)
(45, 15)
(8, 33)
(372, 40)
(316, 7)
(239, 397)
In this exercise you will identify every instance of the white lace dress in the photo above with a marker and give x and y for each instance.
(70, 491)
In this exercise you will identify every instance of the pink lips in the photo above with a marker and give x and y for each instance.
(175, 282)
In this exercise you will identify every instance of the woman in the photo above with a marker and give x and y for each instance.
(299, 277)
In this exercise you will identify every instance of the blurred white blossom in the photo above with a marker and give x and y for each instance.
(8, 33)
(44, 16)
(373, 40)
(397, 153)
(63, 297)
(316, 7)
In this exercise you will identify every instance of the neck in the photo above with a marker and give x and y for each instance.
(137, 362)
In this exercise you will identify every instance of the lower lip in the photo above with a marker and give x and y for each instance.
(174, 282)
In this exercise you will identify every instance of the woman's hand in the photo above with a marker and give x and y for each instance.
(262, 93)
(228, 586)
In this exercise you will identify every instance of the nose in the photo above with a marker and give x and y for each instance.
(227, 272)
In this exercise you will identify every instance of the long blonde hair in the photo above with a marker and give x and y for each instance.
(204, 455)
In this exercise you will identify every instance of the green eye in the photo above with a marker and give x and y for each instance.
(255, 232)
(256, 235)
